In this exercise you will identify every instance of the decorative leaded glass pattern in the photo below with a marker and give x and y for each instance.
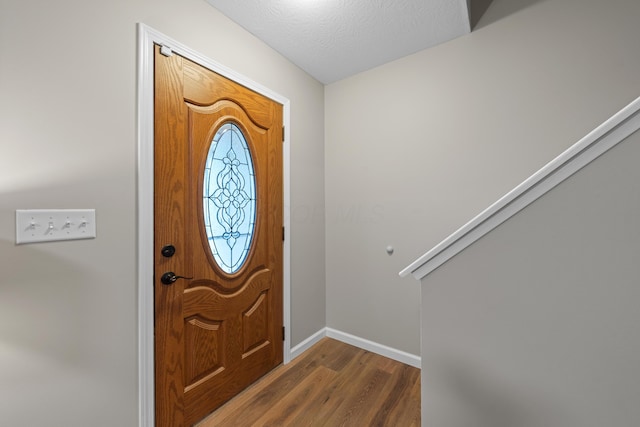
(229, 198)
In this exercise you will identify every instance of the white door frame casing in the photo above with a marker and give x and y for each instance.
(147, 38)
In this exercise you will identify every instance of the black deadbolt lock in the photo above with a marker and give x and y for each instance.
(168, 251)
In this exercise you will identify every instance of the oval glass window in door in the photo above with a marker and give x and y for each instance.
(229, 198)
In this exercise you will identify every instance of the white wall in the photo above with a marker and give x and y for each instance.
(416, 148)
(68, 310)
(535, 324)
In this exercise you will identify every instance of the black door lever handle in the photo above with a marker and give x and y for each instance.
(170, 278)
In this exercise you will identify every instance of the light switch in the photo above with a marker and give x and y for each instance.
(46, 225)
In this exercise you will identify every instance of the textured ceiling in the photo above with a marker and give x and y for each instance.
(334, 39)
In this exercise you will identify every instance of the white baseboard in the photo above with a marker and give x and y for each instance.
(374, 347)
(306, 344)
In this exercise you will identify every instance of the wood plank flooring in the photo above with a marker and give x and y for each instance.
(332, 384)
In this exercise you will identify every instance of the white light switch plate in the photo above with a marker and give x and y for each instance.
(46, 225)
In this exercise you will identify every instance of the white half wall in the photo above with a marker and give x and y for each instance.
(535, 324)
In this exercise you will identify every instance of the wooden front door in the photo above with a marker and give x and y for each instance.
(218, 239)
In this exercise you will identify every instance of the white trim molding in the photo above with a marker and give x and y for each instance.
(373, 347)
(308, 343)
(147, 38)
(597, 142)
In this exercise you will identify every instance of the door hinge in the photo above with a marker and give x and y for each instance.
(282, 133)
(283, 234)
(283, 335)
(166, 50)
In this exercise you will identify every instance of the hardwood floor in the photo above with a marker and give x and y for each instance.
(331, 384)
